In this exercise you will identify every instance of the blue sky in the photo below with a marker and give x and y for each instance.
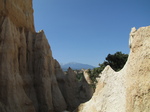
(86, 31)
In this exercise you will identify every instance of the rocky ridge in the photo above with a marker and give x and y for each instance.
(129, 89)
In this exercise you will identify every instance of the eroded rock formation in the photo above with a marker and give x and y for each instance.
(32, 81)
(75, 92)
(129, 89)
(28, 72)
(87, 78)
(27, 68)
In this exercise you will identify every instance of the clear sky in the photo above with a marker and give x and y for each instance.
(86, 31)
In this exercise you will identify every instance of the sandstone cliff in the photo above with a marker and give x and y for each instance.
(129, 89)
(30, 79)
(27, 68)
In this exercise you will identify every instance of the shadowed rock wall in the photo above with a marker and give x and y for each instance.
(27, 72)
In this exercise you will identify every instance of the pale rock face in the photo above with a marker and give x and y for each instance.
(138, 73)
(129, 89)
(132, 33)
(106, 99)
(87, 78)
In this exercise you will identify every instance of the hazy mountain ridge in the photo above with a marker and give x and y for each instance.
(76, 66)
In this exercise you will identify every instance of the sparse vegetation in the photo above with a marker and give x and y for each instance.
(116, 61)
(93, 74)
(79, 76)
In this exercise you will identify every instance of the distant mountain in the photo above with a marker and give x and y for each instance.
(76, 66)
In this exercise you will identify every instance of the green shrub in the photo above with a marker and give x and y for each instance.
(116, 61)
